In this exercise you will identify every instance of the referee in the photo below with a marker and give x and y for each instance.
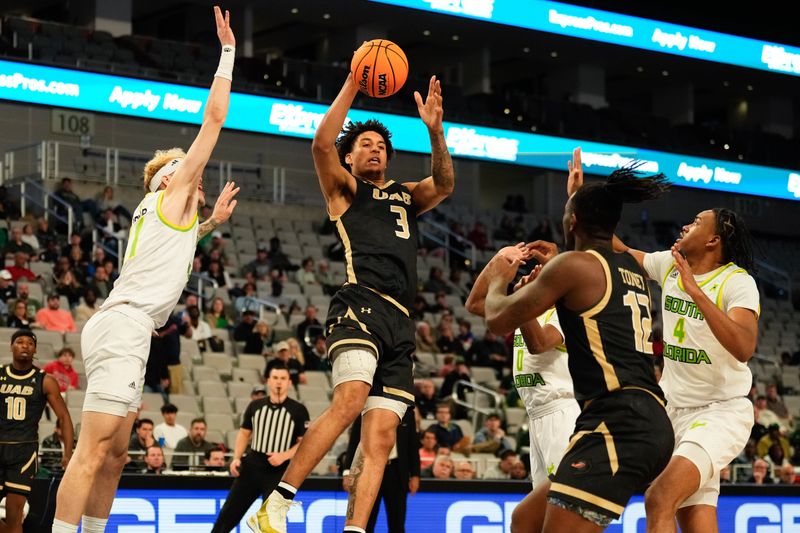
(271, 429)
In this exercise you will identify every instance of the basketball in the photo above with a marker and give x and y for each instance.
(379, 67)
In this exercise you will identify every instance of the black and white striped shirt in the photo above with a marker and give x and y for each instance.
(275, 427)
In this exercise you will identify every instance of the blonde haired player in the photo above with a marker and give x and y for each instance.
(116, 341)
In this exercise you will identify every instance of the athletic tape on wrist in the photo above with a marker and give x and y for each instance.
(225, 68)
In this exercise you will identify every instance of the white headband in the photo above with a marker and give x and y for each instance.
(166, 170)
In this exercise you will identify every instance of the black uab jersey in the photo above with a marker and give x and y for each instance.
(22, 402)
(609, 345)
(379, 235)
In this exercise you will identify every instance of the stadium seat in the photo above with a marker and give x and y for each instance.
(317, 378)
(151, 400)
(217, 405)
(219, 422)
(211, 389)
(184, 402)
(238, 389)
(246, 375)
(316, 408)
(312, 393)
(251, 361)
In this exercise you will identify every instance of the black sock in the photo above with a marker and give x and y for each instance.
(286, 490)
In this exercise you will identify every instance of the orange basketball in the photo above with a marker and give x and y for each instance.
(379, 67)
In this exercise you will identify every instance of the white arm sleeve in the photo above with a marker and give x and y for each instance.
(657, 264)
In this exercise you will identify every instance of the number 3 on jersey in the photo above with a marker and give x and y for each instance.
(641, 324)
(402, 221)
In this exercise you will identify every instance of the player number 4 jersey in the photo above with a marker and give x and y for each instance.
(158, 260)
(542, 378)
(698, 370)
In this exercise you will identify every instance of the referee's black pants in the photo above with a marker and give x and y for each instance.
(393, 492)
(256, 478)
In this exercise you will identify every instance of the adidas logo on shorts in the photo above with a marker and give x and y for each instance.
(132, 385)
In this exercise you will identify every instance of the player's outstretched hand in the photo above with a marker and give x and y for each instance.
(518, 251)
(503, 267)
(575, 177)
(431, 112)
(542, 251)
(224, 31)
(225, 204)
(524, 280)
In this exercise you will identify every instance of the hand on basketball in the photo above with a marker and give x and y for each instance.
(224, 31)
(431, 112)
(542, 251)
(687, 275)
(234, 467)
(223, 208)
(575, 178)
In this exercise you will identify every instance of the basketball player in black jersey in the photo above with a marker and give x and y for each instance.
(623, 438)
(370, 335)
(24, 392)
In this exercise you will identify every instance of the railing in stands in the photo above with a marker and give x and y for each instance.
(117, 253)
(495, 400)
(197, 285)
(32, 192)
(260, 306)
(445, 237)
(778, 278)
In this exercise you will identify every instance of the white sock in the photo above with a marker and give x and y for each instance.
(63, 527)
(353, 529)
(90, 524)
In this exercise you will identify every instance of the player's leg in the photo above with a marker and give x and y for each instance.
(677, 482)
(698, 519)
(560, 520)
(99, 432)
(15, 506)
(528, 516)
(378, 435)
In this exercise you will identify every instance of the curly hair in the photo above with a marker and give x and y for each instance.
(160, 158)
(351, 131)
(737, 243)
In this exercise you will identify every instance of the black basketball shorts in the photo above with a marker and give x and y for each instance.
(19, 463)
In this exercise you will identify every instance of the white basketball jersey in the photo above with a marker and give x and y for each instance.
(541, 378)
(158, 260)
(698, 370)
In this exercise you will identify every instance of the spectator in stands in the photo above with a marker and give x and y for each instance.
(773, 436)
(448, 366)
(166, 344)
(245, 327)
(424, 338)
(154, 460)
(309, 325)
(260, 339)
(19, 317)
(62, 370)
(283, 357)
(748, 454)
(519, 470)
(478, 236)
(44, 233)
(442, 468)
(111, 270)
(7, 288)
(465, 335)
(427, 451)
(260, 266)
(440, 304)
(216, 316)
(542, 232)
(305, 274)
(53, 318)
(19, 270)
(65, 193)
(436, 282)
(489, 351)
(110, 231)
(201, 331)
(296, 351)
(761, 475)
(418, 308)
(52, 459)
(74, 244)
(317, 355)
(51, 252)
(775, 403)
(245, 301)
(504, 230)
(214, 460)
(69, 287)
(170, 431)
(325, 278)
(460, 373)
(17, 244)
(278, 259)
(447, 342)
(88, 307)
(764, 415)
(105, 200)
(23, 294)
(787, 475)
(426, 400)
(491, 438)
(464, 470)
(457, 282)
(142, 437)
(776, 455)
(502, 470)
(217, 273)
(447, 432)
(194, 443)
(258, 392)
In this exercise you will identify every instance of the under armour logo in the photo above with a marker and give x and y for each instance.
(132, 385)
(367, 310)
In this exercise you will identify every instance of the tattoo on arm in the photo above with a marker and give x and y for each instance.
(356, 469)
(441, 163)
(206, 227)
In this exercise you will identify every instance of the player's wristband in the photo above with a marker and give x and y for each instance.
(225, 68)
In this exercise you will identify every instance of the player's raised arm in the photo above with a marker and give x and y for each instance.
(477, 296)
(429, 192)
(575, 176)
(56, 403)
(186, 179)
(333, 177)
